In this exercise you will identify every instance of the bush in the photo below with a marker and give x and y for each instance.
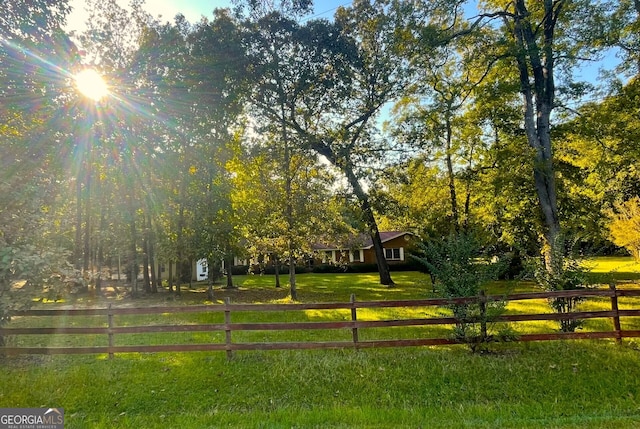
(569, 276)
(513, 264)
(329, 269)
(284, 269)
(239, 270)
(461, 269)
(28, 274)
(362, 268)
(410, 265)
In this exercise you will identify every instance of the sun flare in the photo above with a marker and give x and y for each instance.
(91, 84)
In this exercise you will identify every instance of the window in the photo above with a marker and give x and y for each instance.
(329, 256)
(356, 255)
(394, 254)
(240, 261)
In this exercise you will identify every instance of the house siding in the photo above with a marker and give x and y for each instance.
(369, 257)
(397, 243)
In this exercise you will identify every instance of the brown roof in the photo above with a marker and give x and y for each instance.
(359, 241)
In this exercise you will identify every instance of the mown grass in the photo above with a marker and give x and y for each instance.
(573, 384)
(546, 385)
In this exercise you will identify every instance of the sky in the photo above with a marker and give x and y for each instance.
(191, 9)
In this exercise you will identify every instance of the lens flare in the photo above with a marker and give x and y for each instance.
(91, 84)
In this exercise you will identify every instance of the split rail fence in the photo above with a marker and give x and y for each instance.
(354, 324)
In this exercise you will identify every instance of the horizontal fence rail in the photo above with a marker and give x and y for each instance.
(355, 325)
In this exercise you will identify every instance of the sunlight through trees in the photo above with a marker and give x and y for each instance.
(140, 146)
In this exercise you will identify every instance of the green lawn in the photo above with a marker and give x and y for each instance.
(574, 384)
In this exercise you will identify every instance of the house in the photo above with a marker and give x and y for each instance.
(359, 249)
(351, 250)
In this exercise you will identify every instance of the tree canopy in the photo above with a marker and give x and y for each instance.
(259, 131)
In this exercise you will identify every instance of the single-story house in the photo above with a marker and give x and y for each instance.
(353, 249)
(359, 249)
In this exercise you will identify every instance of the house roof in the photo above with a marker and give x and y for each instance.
(359, 241)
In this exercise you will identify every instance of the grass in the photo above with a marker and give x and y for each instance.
(573, 384)
(579, 384)
(613, 268)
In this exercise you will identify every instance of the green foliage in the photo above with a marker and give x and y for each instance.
(624, 225)
(167, 147)
(598, 160)
(452, 261)
(567, 274)
(33, 261)
(461, 270)
(28, 274)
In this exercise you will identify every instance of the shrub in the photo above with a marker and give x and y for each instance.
(28, 274)
(329, 269)
(239, 270)
(513, 264)
(569, 276)
(362, 268)
(410, 265)
(283, 270)
(461, 270)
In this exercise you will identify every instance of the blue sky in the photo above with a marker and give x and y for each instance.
(192, 9)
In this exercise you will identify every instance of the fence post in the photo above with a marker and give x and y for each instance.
(616, 313)
(483, 316)
(110, 330)
(227, 326)
(354, 319)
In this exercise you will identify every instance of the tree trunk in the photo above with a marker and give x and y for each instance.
(158, 274)
(372, 226)
(538, 104)
(170, 276)
(636, 4)
(228, 262)
(134, 256)
(210, 295)
(180, 243)
(119, 267)
(77, 250)
(87, 225)
(100, 257)
(276, 267)
(369, 218)
(152, 255)
(292, 279)
(289, 197)
(455, 217)
(145, 255)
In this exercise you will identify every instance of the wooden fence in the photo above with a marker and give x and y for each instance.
(354, 325)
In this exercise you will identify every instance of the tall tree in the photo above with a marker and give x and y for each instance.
(286, 207)
(333, 80)
(624, 33)
(34, 55)
(433, 114)
(194, 76)
(539, 39)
